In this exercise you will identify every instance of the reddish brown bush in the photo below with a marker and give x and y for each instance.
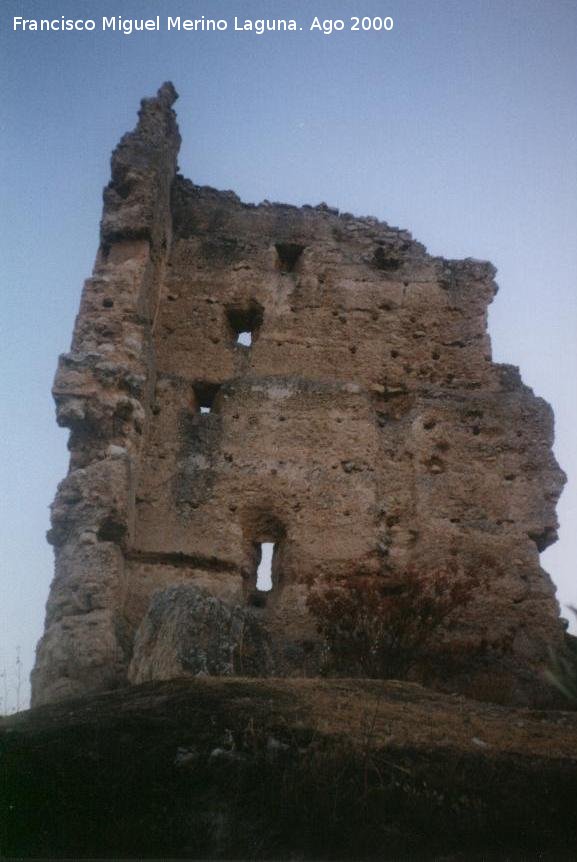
(375, 629)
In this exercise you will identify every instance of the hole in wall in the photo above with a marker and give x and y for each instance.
(111, 531)
(435, 465)
(107, 302)
(288, 255)
(244, 338)
(264, 569)
(265, 553)
(205, 394)
(385, 261)
(245, 322)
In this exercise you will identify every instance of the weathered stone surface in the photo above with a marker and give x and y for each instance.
(189, 632)
(364, 430)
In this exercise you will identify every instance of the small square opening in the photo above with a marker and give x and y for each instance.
(288, 255)
(244, 338)
(245, 322)
(205, 394)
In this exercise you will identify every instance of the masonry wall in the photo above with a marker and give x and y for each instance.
(364, 430)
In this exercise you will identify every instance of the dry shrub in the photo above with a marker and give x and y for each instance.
(373, 628)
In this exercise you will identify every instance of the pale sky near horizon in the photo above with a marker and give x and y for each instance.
(460, 124)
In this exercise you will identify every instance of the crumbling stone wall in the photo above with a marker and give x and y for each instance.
(365, 428)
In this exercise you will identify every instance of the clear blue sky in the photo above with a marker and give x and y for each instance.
(460, 125)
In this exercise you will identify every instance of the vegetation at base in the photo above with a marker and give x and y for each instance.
(375, 629)
(562, 670)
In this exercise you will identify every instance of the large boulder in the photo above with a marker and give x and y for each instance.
(189, 632)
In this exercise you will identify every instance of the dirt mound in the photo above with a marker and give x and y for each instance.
(304, 769)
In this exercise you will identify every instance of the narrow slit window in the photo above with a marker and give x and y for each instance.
(264, 571)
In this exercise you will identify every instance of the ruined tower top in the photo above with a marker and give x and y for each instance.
(244, 375)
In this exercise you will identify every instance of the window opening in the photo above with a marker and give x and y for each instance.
(244, 338)
(386, 260)
(264, 570)
(205, 393)
(245, 323)
(288, 255)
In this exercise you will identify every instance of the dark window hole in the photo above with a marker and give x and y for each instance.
(245, 321)
(288, 255)
(205, 393)
(107, 303)
(384, 261)
(111, 531)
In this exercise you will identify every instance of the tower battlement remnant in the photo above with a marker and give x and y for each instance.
(244, 374)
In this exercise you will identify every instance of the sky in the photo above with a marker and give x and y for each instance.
(459, 124)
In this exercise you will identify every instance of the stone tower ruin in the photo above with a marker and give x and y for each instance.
(359, 425)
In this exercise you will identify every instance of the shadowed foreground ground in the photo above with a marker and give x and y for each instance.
(300, 769)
